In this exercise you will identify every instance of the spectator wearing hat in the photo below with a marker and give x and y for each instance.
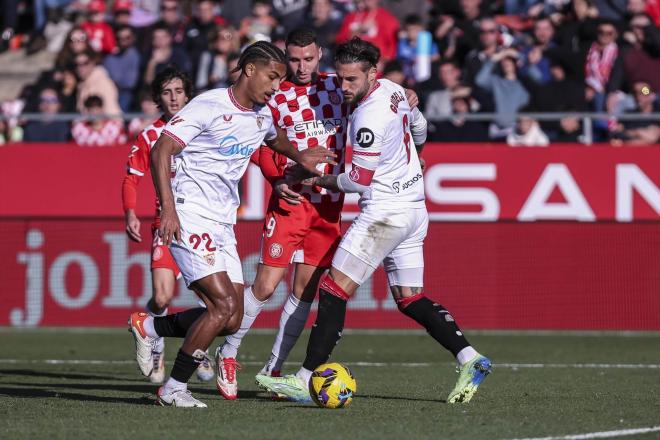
(121, 13)
(124, 66)
(99, 32)
(47, 129)
(94, 130)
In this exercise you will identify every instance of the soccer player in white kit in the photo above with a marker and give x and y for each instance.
(211, 139)
(390, 228)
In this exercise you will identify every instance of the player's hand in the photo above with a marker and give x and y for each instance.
(311, 157)
(133, 226)
(413, 99)
(170, 227)
(282, 189)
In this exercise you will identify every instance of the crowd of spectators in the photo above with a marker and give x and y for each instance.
(462, 57)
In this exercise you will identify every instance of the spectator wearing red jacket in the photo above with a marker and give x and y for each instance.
(99, 32)
(373, 24)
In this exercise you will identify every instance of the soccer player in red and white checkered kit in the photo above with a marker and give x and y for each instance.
(302, 224)
(171, 90)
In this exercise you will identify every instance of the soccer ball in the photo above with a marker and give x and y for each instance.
(332, 386)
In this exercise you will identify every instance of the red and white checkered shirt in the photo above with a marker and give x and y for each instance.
(314, 115)
(110, 134)
(139, 159)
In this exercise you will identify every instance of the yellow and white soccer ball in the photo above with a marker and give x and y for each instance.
(332, 386)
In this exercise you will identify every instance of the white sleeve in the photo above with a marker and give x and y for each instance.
(367, 137)
(418, 127)
(190, 121)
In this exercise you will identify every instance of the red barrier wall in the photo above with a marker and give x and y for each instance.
(63, 263)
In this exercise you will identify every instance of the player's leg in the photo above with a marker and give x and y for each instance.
(367, 242)
(405, 274)
(222, 304)
(315, 256)
(164, 284)
(294, 316)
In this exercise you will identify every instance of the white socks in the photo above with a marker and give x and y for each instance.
(151, 331)
(466, 355)
(304, 375)
(173, 384)
(251, 309)
(292, 322)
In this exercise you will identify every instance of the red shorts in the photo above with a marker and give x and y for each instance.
(309, 232)
(161, 257)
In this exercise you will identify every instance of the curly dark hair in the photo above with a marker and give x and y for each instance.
(167, 75)
(357, 51)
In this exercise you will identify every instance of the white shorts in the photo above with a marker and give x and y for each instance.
(206, 247)
(395, 238)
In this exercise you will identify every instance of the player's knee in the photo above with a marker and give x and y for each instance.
(219, 313)
(162, 295)
(263, 289)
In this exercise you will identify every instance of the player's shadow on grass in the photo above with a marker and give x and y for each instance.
(38, 393)
(76, 376)
(411, 399)
(146, 388)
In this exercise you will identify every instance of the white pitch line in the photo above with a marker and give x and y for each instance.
(602, 434)
(513, 366)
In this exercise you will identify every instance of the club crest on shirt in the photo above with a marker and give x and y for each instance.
(334, 98)
(275, 250)
(260, 121)
(210, 259)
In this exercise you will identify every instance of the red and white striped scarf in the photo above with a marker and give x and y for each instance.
(599, 65)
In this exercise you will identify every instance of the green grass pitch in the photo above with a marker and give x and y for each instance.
(543, 385)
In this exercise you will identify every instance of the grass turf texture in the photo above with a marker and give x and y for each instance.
(112, 400)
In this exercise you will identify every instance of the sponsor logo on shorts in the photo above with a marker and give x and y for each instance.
(365, 137)
(397, 186)
(210, 259)
(158, 254)
(275, 250)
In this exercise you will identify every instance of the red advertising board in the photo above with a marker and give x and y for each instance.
(557, 238)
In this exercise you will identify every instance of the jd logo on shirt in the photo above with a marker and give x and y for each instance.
(229, 146)
(365, 137)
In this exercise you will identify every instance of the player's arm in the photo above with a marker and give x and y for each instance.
(267, 162)
(308, 158)
(191, 120)
(418, 129)
(138, 163)
(161, 160)
(367, 147)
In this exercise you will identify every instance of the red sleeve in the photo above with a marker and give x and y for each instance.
(138, 158)
(109, 43)
(270, 164)
(129, 191)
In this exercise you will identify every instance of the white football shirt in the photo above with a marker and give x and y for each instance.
(218, 136)
(381, 140)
